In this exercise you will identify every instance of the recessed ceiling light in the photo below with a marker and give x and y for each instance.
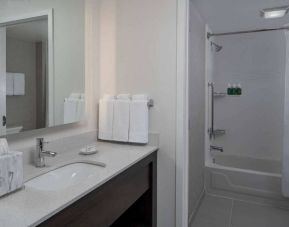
(274, 12)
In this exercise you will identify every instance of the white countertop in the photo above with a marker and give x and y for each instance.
(30, 207)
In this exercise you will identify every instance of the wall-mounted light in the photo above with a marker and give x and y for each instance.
(276, 12)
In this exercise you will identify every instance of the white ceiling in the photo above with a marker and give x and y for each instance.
(236, 15)
(33, 31)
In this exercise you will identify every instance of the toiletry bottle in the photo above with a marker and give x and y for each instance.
(234, 89)
(239, 90)
(229, 89)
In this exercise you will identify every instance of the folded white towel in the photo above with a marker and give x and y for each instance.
(70, 110)
(80, 110)
(106, 106)
(139, 119)
(9, 84)
(121, 118)
(19, 84)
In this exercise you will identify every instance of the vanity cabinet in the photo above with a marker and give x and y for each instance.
(129, 199)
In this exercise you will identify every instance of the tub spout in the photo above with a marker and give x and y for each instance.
(215, 148)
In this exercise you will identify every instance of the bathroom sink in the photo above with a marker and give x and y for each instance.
(63, 177)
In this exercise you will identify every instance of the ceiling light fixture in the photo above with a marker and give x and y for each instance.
(276, 12)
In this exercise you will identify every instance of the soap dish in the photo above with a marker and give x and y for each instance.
(88, 150)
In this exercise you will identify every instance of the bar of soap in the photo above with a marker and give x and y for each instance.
(89, 150)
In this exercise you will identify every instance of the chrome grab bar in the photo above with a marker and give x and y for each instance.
(212, 131)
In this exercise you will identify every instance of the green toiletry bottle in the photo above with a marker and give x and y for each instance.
(239, 89)
(229, 89)
(234, 89)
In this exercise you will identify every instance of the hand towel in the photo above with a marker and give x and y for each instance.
(106, 106)
(80, 110)
(9, 84)
(70, 110)
(139, 119)
(121, 118)
(19, 84)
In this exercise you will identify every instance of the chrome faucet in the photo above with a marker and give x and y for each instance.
(40, 153)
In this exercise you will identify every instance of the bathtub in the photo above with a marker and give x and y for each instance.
(248, 163)
(245, 176)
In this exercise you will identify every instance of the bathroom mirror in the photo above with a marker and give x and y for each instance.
(41, 64)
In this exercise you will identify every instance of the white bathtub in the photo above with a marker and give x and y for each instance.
(248, 163)
(236, 175)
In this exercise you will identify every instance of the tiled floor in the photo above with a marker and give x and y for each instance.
(222, 212)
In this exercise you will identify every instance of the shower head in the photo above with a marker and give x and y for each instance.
(217, 47)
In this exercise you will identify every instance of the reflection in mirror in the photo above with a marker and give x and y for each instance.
(41, 64)
(26, 77)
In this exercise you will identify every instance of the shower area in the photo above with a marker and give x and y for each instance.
(246, 150)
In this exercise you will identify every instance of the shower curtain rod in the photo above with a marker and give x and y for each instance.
(209, 35)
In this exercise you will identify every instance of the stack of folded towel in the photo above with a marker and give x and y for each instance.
(124, 118)
(74, 108)
(11, 169)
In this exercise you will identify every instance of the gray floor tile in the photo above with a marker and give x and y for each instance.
(253, 215)
(213, 212)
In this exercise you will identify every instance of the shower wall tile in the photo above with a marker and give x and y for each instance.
(254, 120)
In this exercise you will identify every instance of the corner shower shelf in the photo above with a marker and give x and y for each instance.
(223, 94)
(220, 94)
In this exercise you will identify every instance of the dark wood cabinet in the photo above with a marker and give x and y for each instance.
(129, 199)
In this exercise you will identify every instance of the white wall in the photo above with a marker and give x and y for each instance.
(68, 44)
(138, 55)
(254, 121)
(197, 49)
